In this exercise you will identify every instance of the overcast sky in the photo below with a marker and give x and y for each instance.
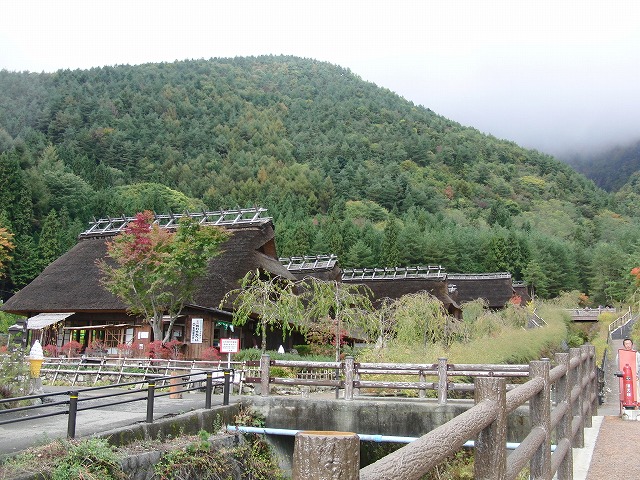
(547, 74)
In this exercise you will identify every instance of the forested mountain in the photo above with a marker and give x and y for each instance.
(610, 169)
(344, 167)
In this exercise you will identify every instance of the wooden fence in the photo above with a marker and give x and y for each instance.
(561, 403)
(91, 371)
(356, 378)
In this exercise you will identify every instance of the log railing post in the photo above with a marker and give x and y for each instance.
(576, 406)
(348, 378)
(563, 428)
(442, 381)
(265, 365)
(596, 380)
(591, 388)
(490, 453)
(540, 415)
(326, 456)
(422, 379)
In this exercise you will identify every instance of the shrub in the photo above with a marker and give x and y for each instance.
(158, 349)
(97, 347)
(90, 459)
(50, 350)
(70, 348)
(252, 457)
(210, 354)
(14, 374)
(282, 372)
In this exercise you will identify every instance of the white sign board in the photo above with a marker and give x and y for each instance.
(196, 330)
(229, 345)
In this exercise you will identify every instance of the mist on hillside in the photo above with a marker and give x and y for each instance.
(610, 167)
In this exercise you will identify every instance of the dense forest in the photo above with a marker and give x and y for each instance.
(343, 166)
(610, 169)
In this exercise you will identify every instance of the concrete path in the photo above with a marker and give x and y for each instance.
(582, 457)
(613, 450)
(15, 437)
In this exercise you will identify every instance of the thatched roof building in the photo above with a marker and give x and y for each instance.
(71, 284)
(395, 282)
(521, 289)
(495, 288)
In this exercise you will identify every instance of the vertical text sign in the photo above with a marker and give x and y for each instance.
(196, 330)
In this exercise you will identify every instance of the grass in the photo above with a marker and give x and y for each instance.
(506, 344)
(95, 459)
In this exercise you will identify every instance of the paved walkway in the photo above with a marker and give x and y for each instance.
(15, 437)
(612, 452)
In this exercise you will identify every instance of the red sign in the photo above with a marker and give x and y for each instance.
(229, 345)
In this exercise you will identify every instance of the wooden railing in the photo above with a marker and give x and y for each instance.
(563, 415)
(561, 402)
(355, 377)
(619, 322)
(96, 369)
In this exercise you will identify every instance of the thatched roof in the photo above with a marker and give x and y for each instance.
(69, 284)
(495, 288)
(248, 249)
(396, 288)
(72, 282)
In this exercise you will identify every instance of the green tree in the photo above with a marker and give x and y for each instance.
(6, 247)
(390, 255)
(359, 255)
(340, 306)
(24, 266)
(420, 319)
(155, 271)
(534, 275)
(49, 242)
(271, 299)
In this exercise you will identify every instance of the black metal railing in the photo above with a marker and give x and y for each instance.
(74, 403)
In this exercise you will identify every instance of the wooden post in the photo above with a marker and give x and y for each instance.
(175, 390)
(326, 456)
(265, 365)
(422, 379)
(348, 378)
(563, 429)
(442, 381)
(540, 415)
(576, 380)
(592, 387)
(491, 453)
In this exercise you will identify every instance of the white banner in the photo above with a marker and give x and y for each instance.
(196, 330)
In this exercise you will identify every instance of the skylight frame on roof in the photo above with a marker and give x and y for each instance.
(309, 262)
(224, 218)
(393, 273)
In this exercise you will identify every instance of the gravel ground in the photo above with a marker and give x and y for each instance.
(616, 452)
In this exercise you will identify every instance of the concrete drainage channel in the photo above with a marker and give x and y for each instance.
(403, 422)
